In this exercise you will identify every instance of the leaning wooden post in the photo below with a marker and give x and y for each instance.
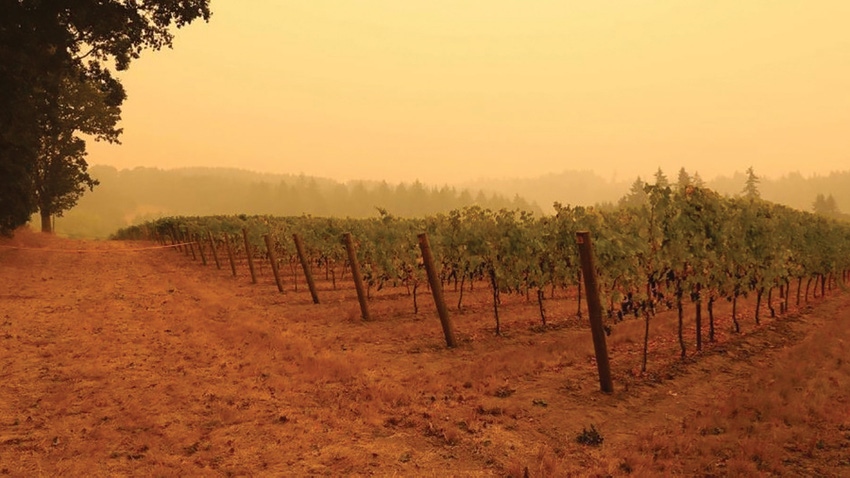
(229, 247)
(594, 306)
(250, 257)
(273, 260)
(305, 264)
(214, 251)
(175, 237)
(185, 242)
(358, 278)
(189, 241)
(201, 248)
(436, 289)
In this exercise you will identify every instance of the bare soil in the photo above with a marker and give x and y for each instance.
(118, 359)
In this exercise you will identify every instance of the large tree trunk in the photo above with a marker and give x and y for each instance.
(46, 226)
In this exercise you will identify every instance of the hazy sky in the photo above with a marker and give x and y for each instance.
(448, 90)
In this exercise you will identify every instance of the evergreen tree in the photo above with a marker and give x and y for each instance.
(661, 179)
(684, 179)
(826, 206)
(636, 197)
(697, 180)
(751, 190)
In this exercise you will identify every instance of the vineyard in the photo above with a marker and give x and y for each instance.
(238, 346)
(682, 245)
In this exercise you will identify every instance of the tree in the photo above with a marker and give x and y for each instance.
(636, 196)
(751, 189)
(684, 179)
(45, 43)
(826, 206)
(19, 70)
(61, 174)
(697, 180)
(661, 179)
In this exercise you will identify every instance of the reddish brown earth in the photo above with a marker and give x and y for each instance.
(118, 360)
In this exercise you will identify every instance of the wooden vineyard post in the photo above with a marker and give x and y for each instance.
(188, 237)
(184, 241)
(358, 278)
(201, 248)
(230, 253)
(299, 246)
(214, 251)
(250, 256)
(594, 306)
(273, 260)
(175, 238)
(436, 289)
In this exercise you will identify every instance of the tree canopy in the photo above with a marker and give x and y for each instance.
(56, 55)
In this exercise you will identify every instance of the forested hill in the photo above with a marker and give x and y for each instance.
(125, 197)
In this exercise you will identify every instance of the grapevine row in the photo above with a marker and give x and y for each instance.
(679, 244)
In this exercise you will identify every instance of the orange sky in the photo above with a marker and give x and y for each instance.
(446, 91)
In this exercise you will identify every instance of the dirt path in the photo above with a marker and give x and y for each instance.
(118, 361)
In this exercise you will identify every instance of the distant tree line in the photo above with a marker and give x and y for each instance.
(126, 197)
(586, 188)
(791, 190)
(797, 191)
